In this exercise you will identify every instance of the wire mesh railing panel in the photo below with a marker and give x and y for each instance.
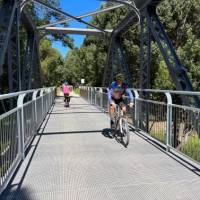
(186, 131)
(18, 127)
(98, 99)
(93, 94)
(29, 122)
(39, 113)
(153, 118)
(105, 102)
(45, 105)
(9, 148)
(130, 112)
(176, 126)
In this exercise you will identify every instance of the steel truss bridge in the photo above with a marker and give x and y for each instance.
(47, 152)
(21, 70)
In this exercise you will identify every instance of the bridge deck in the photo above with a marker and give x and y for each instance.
(72, 159)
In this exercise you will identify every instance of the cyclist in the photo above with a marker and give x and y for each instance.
(66, 91)
(115, 96)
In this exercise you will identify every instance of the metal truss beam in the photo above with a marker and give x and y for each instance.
(31, 77)
(66, 14)
(116, 63)
(109, 71)
(145, 54)
(83, 16)
(78, 31)
(176, 69)
(7, 15)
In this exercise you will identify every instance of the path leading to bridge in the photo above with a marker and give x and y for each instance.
(72, 159)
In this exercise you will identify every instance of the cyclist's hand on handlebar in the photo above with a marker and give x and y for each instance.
(131, 104)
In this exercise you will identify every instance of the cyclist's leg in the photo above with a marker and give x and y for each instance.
(65, 97)
(68, 98)
(112, 114)
(123, 106)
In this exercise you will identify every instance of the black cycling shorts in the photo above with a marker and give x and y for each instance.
(119, 102)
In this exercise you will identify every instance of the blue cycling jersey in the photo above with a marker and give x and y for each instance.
(117, 90)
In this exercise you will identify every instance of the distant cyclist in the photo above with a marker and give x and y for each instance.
(66, 92)
(115, 96)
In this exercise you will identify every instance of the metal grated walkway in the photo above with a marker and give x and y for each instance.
(72, 159)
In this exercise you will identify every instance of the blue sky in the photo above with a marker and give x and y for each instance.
(76, 7)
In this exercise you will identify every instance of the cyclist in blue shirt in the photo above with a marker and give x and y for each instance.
(115, 96)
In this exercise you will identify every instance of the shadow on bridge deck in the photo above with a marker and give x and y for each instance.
(72, 158)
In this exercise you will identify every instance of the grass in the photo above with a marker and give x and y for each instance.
(77, 91)
(192, 147)
(159, 135)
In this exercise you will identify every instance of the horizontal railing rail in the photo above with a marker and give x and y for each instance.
(18, 127)
(175, 126)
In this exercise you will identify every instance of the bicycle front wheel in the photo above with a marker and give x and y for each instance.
(125, 134)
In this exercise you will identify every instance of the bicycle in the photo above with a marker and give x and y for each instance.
(121, 129)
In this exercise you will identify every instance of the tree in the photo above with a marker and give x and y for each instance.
(52, 63)
(181, 20)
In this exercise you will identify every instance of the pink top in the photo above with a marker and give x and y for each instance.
(66, 89)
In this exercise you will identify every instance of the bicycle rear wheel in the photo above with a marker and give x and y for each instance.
(125, 132)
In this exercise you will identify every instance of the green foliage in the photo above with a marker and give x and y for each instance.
(181, 20)
(192, 147)
(77, 91)
(162, 77)
(52, 64)
(159, 135)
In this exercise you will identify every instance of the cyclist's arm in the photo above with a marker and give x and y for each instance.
(128, 91)
(110, 91)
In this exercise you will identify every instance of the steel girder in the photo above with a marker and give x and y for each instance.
(31, 77)
(20, 74)
(177, 71)
(145, 54)
(116, 53)
(77, 31)
(7, 15)
(116, 63)
(151, 27)
(10, 45)
(82, 16)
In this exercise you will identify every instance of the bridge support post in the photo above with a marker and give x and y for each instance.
(136, 114)
(88, 93)
(101, 98)
(169, 120)
(35, 108)
(41, 95)
(20, 123)
(91, 95)
(95, 96)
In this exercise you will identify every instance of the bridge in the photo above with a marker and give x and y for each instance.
(49, 152)
(68, 153)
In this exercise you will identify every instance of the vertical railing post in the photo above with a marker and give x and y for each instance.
(49, 98)
(169, 120)
(91, 95)
(101, 97)
(34, 98)
(20, 122)
(42, 97)
(108, 103)
(136, 114)
(88, 94)
(95, 96)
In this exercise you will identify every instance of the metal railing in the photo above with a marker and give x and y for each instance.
(175, 126)
(19, 126)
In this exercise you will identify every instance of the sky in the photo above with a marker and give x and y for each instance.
(76, 8)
